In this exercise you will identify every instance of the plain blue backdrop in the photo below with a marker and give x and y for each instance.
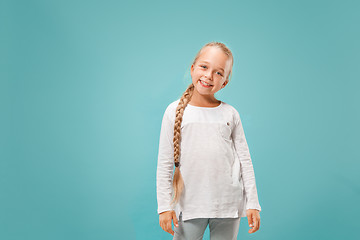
(84, 85)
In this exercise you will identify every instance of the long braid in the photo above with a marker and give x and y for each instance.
(178, 183)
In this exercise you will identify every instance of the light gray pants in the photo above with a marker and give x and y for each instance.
(220, 228)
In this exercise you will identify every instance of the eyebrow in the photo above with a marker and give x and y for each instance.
(209, 63)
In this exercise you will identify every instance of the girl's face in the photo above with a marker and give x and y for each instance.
(211, 68)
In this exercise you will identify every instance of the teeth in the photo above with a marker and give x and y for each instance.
(205, 83)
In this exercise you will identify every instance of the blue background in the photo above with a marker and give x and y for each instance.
(84, 85)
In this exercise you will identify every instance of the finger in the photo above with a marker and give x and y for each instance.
(257, 221)
(256, 225)
(162, 225)
(252, 230)
(255, 228)
(249, 217)
(176, 223)
(169, 228)
(252, 225)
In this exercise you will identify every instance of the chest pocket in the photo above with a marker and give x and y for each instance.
(225, 130)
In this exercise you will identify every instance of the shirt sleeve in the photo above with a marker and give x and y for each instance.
(165, 165)
(246, 166)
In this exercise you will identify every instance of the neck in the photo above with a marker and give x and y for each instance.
(203, 100)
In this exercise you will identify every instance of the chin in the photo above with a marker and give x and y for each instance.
(204, 93)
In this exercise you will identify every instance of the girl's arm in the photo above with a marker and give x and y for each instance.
(165, 166)
(246, 166)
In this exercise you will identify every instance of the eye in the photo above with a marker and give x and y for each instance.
(203, 66)
(219, 73)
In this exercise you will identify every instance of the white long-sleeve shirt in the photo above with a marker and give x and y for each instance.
(215, 163)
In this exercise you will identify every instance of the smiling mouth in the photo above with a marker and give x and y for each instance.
(204, 84)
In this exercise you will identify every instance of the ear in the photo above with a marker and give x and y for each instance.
(225, 83)
(192, 68)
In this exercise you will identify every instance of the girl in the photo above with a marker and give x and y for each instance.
(214, 180)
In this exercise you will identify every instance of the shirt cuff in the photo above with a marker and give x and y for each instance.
(164, 210)
(253, 206)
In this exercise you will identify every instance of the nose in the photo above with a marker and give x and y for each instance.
(208, 75)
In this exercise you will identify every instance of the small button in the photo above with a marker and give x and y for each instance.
(228, 123)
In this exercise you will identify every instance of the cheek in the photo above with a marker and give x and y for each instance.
(196, 75)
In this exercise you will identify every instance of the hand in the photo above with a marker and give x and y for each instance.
(165, 221)
(253, 217)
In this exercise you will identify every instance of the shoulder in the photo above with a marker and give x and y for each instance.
(173, 104)
(231, 109)
(171, 109)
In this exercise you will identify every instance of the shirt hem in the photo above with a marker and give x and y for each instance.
(186, 216)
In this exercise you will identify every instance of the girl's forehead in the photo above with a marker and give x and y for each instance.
(213, 53)
(214, 56)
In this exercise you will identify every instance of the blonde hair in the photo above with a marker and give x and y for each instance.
(178, 183)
